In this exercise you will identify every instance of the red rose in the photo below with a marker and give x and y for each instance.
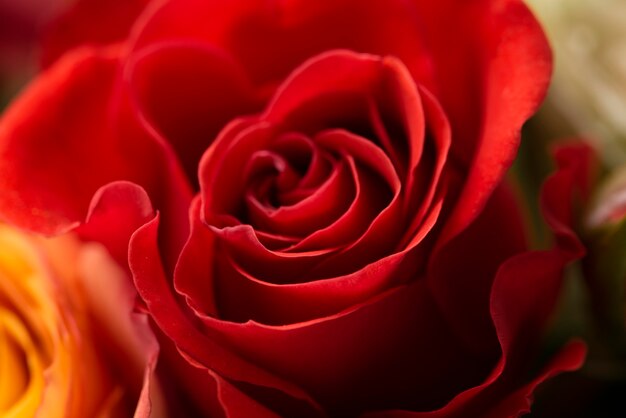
(350, 246)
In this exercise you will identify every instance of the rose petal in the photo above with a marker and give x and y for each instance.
(89, 23)
(123, 204)
(235, 144)
(463, 272)
(237, 404)
(523, 296)
(199, 348)
(46, 128)
(561, 192)
(194, 273)
(242, 296)
(506, 70)
(321, 208)
(287, 27)
(188, 92)
(569, 358)
(410, 361)
(373, 195)
(428, 175)
(242, 242)
(338, 358)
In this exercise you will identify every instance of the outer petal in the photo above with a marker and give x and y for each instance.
(511, 39)
(71, 133)
(122, 204)
(522, 298)
(88, 23)
(314, 353)
(188, 92)
(237, 404)
(462, 275)
(506, 62)
(270, 38)
(52, 160)
(391, 351)
(478, 402)
(199, 348)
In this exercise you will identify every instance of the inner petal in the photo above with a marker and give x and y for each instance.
(269, 176)
(319, 209)
(372, 195)
(311, 162)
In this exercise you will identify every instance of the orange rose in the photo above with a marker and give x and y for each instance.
(52, 358)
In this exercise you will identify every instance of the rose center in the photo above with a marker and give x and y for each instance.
(295, 184)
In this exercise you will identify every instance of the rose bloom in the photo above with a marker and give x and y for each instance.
(53, 364)
(309, 197)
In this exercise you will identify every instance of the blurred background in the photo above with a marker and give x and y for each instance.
(22, 24)
(586, 100)
(588, 93)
